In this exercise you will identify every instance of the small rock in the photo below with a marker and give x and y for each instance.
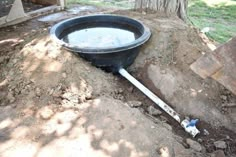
(7, 108)
(32, 81)
(64, 75)
(194, 145)
(223, 97)
(163, 72)
(167, 126)
(51, 91)
(220, 144)
(46, 113)
(33, 30)
(199, 140)
(167, 151)
(142, 110)
(13, 105)
(135, 103)
(120, 91)
(163, 119)
(3, 104)
(229, 105)
(224, 110)
(228, 137)
(160, 56)
(2, 59)
(119, 97)
(28, 86)
(14, 61)
(205, 132)
(22, 114)
(153, 111)
(218, 153)
(152, 127)
(37, 91)
(131, 89)
(24, 91)
(10, 97)
(71, 97)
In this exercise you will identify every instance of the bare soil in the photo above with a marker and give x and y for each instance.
(53, 103)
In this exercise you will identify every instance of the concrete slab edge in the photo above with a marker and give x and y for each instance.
(30, 15)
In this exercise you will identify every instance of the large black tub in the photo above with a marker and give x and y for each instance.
(108, 41)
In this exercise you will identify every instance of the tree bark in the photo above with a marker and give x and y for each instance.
(178, 7)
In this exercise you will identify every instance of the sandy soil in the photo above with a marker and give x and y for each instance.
(53, 103)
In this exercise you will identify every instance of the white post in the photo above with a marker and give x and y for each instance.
(16, 12)
(62, 4)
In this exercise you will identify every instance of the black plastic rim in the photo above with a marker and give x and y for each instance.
(58, 29)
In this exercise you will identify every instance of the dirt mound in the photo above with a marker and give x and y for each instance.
(163, 65)
(165, 60)
(51, 98)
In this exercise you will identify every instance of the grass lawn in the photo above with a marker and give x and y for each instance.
(218, 15)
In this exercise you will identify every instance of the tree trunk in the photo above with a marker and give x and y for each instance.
(178, 7)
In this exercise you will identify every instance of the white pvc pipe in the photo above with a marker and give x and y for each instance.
(149, 94)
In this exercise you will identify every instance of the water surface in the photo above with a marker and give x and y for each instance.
(100, 37)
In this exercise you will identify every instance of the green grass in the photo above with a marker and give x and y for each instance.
(218, 15)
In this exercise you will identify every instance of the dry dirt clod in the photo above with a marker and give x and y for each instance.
(50, 91)
(205, 132)
(119, 91)
(153, 111)
(194, 145)
(163, 72)
(64, 75)
(14, 105)
(218, 153)
(10, 97)
(164, 152)
(45, 113)
(229, 105)
(131, 89)
(167, 126)
(163, 119)
(120, 97)
(134, 103)
(228, 137)
(223, 97)
(37, 91)
(3, 104)
(220, 144)
(2, 59)
(74, 98)
(199, 140)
